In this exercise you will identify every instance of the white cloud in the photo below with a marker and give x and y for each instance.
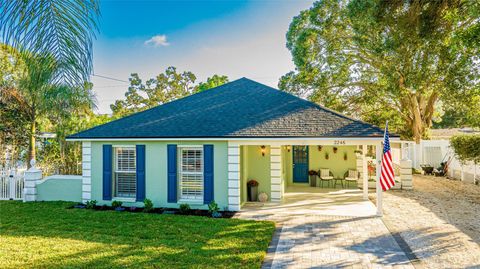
(157, 41)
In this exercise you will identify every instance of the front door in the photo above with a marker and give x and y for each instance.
(300, 164)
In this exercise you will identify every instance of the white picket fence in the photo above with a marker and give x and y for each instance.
(11, 184)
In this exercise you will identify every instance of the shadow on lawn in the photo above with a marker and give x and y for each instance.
(118, 239)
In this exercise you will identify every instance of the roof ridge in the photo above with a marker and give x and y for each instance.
(315, 104)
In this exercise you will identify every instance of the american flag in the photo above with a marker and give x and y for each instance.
(387, 177)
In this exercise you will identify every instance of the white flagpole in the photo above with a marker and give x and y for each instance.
(379, 155)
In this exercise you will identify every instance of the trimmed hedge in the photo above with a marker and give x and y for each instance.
(466, 147)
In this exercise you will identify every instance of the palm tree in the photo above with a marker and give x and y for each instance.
(36, 94)
(62, 29)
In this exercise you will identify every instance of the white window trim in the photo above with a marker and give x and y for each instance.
(190, 201)
(198, 201)
(123, 199)
(123, 146)
(190, 146)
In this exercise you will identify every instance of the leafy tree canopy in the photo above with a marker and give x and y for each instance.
(165, 87)
(30, 91)
(406, 61)
(211, 82)
(466, 147)
(62, 29)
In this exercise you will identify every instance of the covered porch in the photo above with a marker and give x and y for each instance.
(305, 200)
(282, 168)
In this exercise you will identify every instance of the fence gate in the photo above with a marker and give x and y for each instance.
(11, 184)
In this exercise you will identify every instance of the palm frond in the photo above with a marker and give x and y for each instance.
(63, 29)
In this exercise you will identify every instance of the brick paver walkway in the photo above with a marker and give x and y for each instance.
(329, 241)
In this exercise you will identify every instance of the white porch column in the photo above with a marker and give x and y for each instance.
(86, 171)
(379, 190)
(31, 177)
(276, 174)
(233, 176)
(406, 173)
(364, 173)
(359, 160)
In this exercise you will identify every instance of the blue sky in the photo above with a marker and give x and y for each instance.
(233, 38)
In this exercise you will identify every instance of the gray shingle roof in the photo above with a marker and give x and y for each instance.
(241, 108)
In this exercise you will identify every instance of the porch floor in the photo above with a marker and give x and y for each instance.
(305, 200)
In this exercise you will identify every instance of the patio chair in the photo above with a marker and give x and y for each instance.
(325, 175)
(351, 176)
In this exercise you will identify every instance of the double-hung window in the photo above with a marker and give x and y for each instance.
(125, 174)
(191, 173)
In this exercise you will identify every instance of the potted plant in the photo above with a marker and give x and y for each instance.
(313, 176)
(252, 192)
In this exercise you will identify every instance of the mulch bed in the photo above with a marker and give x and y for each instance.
(158, 210)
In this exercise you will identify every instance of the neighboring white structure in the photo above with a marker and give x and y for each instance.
(433, 152)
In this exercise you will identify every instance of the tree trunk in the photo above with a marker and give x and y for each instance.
(31, 146)
(422, 114)
(416, 123)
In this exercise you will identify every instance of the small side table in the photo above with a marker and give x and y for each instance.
(335, 182)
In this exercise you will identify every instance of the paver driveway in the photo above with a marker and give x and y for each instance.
(327, 229)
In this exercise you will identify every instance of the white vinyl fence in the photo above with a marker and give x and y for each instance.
(11, 184)
(433, 152)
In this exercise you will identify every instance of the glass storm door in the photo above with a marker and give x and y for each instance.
(300, 164)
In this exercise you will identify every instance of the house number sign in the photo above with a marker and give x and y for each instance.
(339, 142)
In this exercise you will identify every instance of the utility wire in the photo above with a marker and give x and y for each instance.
(105, 77)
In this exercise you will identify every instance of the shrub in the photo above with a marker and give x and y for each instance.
(184, 209)
(312, 173)
(252, 183)
(466, 147)
(91, 204)
(116, 204)
(213, 207)
(148, 205)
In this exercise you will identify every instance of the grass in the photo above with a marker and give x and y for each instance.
(47, 235)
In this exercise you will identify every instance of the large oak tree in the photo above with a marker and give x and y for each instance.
(383, 59)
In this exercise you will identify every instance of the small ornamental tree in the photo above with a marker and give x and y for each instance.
(467, 148)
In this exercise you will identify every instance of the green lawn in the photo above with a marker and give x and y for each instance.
(46, 235)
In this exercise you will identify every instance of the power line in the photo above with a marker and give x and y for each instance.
(110, 86)
(105, 77)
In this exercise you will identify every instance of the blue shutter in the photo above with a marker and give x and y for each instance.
(107, 172)
(207, 174)
(172, 173)
(140, 173)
